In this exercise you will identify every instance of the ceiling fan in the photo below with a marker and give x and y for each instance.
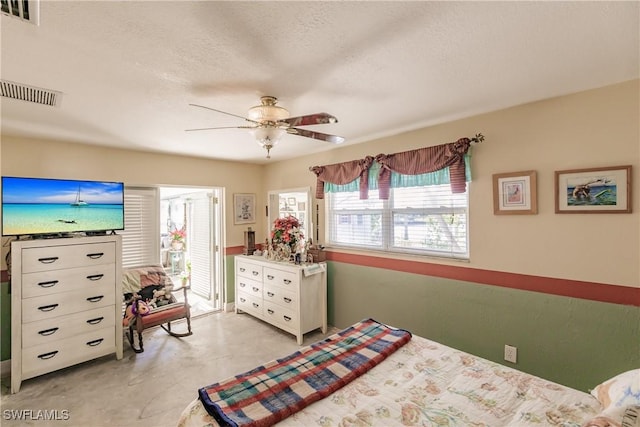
(270, 122)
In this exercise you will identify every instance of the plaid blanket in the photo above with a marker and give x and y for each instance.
(272, 392)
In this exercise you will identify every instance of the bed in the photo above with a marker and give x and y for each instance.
(407, 381)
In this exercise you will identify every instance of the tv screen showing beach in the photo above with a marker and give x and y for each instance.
(55, 206)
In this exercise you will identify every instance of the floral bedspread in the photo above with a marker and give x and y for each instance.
(428, 384)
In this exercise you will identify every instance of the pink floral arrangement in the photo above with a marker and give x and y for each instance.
(178, 235)
(287, 231)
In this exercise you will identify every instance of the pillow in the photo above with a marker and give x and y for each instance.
(619, 397)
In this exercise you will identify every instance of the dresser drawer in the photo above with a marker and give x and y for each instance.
(286, 279)
(47, 357)
(251, 287)
(249, 270)
(63, 303)
(280, 316)
(61, 327)
(250, 304)
(281, 296)
(67, 256)
(54, 281)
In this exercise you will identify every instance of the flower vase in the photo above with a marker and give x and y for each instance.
(177, 245)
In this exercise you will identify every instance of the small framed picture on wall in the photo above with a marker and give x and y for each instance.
(515, 193)
(244, 208)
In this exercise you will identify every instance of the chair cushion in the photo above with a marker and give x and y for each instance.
(167, 313)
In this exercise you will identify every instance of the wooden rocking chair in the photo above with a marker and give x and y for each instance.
(150, 301)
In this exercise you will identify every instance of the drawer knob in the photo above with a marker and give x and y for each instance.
(255, 289)
(47, 355)
(287, 318)
(287, 300)
(242, 285)
(49, 307)
(95, 342)
(48, 260)
(48, 284)
(242, 299)
(95, 255)
(270, 277)
(48, 332)
(256, 305)
(95, 277)
(242, 269)
(95, 321)
(95, 299)
(287, 281)
(271, 294)
(270, 311)
(255, 273)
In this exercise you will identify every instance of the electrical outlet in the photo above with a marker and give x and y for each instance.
(510, 353)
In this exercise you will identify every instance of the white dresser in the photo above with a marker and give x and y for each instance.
(66, 303)
(290, 297)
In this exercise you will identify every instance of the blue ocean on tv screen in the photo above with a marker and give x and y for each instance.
(45, 206)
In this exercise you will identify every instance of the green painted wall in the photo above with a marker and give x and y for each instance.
(571, 341)
(231, 278)
(5, 321)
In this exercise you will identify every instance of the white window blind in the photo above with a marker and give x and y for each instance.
(141, 236)
(200, 243)
(427, 220)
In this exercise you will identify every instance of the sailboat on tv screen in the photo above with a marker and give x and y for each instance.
(79, 201)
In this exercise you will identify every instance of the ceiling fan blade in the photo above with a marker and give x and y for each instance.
(316, 135)
(224, 112)
(223, 127)
(311, 119)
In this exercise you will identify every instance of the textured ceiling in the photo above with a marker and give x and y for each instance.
(129, 70)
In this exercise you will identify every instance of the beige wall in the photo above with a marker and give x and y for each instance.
(51, 159)
(589, 129)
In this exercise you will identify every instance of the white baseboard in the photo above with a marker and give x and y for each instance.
(229, 307)
(5, 368)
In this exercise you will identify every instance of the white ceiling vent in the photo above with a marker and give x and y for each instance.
(27, 10)
(30, 94)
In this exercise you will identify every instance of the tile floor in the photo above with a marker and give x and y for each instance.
(152, 388)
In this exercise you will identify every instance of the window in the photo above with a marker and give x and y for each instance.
(140, 240)
(427, 220)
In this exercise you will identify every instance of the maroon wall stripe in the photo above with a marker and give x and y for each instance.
(570, 288)
(234, 250)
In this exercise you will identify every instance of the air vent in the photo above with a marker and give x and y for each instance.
(30, 94)
(27, 10)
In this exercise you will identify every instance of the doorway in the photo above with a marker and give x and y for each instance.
(195, 215)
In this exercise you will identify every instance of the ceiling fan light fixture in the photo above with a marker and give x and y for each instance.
(267, 137)
(268, 111)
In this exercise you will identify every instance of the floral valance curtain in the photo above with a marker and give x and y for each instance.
(440, 164)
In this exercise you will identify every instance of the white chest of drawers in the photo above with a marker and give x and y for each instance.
(65, 303)
(282, 294)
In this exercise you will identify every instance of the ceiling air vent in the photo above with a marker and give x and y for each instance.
(29, 93)
(27, 10)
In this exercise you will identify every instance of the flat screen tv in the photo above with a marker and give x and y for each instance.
(58, 207)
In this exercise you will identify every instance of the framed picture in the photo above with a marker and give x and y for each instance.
(244, 208)
(292, 202)
(515, 193)
(302, 206)
(594, 190)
